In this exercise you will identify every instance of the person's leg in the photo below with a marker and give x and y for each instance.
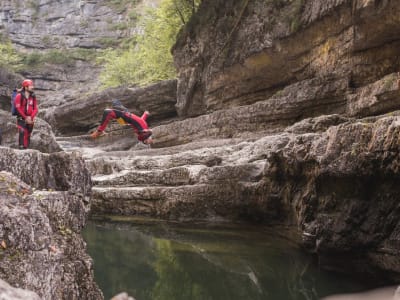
(108, 114)
(130, 119)
(29, 128)
(22, 134)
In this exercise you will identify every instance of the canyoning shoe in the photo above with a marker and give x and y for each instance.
(96, 134)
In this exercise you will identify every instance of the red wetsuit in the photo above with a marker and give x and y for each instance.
(138, 124)
(25, 107)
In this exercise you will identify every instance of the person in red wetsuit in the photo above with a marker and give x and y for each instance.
(27, 109)
(123, 116)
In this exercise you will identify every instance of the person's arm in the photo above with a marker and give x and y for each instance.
(19, 107)
(145, 115)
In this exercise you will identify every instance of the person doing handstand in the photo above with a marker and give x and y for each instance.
(123, 116)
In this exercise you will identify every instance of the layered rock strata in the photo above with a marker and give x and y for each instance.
(235, 53)
(336, 179)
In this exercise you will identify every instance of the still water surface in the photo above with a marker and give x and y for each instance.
(157, 260)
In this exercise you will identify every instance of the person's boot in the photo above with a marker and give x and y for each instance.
(97, 134)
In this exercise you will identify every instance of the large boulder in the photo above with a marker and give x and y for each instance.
(42, 249)
(46, 204)
(58, 171)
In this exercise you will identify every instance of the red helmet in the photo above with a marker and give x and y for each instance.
(27, 82)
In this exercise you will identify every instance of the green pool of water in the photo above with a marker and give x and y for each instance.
(158, 260)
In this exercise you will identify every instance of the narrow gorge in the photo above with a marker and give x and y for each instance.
(283, 112)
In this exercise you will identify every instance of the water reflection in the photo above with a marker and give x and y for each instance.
(161, 261)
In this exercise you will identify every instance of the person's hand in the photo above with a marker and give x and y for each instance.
(148, 141)
(28, 120)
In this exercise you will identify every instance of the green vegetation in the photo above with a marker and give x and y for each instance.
(119, 26)
(148, 58)
(57, 57)
(107, 42)
(9, 57)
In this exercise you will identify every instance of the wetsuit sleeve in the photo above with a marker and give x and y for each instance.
(19, 107)
(108, 114)
(144, 116)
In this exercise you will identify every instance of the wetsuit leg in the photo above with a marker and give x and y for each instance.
(130, 119)
(24, 133)
(108, 115)
(28, 138)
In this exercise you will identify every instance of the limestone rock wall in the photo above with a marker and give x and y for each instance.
(76, 30)
(59, 24)
(239, 52)
(42, 217)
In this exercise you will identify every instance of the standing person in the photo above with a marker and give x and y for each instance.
(123, 116)
(27, 109)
